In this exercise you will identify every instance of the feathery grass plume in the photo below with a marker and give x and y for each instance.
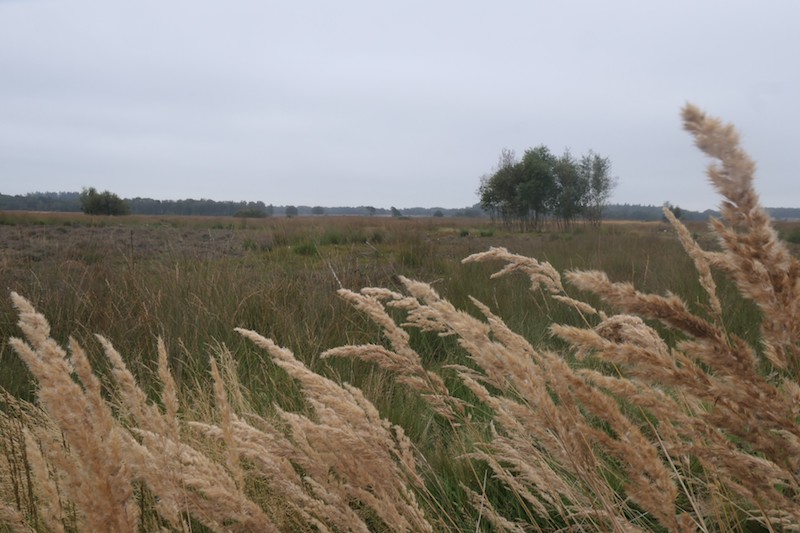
(543, 401)
(50, 507)
(93, 456)
(26, 476)
(742, 399)
(759, 262)
(560, 411)
(99, 460)
(238, 396)
(157, 465)
(541, 274)
(205, 491)
(701, 262)
(292, 501)
(368, 459)
(131, 398)
(728, 413)
(13, 468)
(273, 457)
(403, 360)
(227, 419)
(169, 394)
(184, 478)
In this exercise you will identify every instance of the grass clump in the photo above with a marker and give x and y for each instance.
(645, 412)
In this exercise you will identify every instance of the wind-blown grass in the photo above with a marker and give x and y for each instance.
(649, 413)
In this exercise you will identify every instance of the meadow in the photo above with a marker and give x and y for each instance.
(192, 280)
(387, 374)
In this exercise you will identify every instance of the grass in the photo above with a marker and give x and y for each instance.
(191, 285)
(246, 380)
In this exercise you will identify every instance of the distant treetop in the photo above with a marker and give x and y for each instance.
(104, 203)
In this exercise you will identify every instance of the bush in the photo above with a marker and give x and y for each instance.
(105, 203)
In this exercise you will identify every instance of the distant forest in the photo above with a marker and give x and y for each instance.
(70, 202)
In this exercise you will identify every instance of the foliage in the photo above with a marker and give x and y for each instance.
(291, 211)
(543, 185)
(595, 173)
(104, 203)
(317, 210)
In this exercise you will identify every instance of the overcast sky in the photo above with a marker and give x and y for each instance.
(387, 103)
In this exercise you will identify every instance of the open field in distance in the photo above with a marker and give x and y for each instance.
(192, 280)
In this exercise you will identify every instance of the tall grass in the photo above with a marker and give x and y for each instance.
(640, 410)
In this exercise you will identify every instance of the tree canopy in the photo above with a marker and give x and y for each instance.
(543, 185)
(102, 203)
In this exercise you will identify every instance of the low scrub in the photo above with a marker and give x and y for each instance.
(653, 416)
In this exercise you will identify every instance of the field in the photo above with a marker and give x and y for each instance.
(191, 281)
(291, 374)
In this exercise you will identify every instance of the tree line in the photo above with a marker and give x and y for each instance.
(92, 201)
(99, 202)
(543, 186)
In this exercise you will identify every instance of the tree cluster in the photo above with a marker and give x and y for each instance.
(544, 186)
(102, 203)
(201, 207)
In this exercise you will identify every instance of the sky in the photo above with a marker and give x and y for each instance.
(402, 104)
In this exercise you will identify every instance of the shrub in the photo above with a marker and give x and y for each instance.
(102, 203)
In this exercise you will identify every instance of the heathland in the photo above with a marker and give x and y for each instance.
(356, 373)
